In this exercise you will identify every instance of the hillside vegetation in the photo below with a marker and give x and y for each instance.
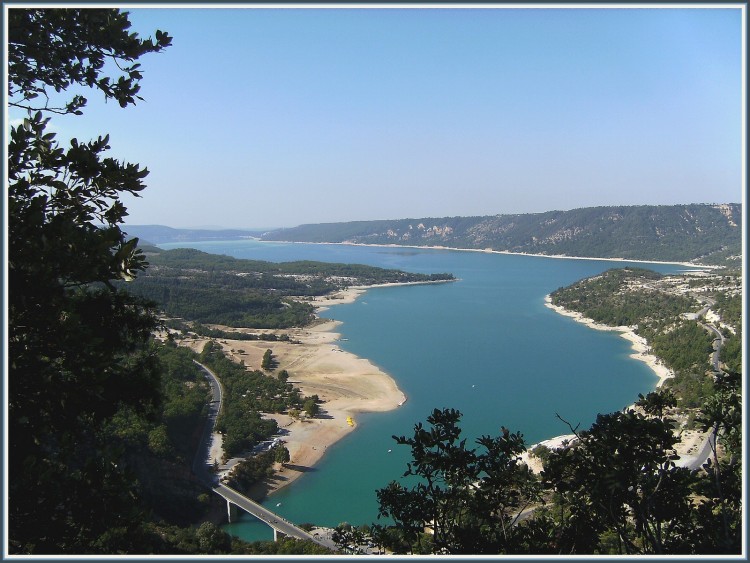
(697, 232)
(665, 311)
(217, 289)
(617, 488)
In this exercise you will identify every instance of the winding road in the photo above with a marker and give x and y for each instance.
(718, 341)
(202, 463)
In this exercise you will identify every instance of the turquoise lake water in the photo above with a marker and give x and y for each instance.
(485, 345)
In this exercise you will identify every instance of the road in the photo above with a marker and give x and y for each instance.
(202, 464)
(717, 344)
(719, 337)
(202, 461)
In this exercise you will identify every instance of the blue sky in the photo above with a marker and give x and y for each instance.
(265, 118)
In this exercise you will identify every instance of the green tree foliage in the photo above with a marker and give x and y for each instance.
(54, 49)
(685, 346)
(252, 470)
(620, 481)
(281, 454)
(184, 389)
(301, 277)
(269, 362)
(350, 538)
(622, 297)
(75, 344)
(284, 546)
(183, 393)
(609, 299)
(218, 289)
(722, 415)
(207, 538)
(218, 303)
(616, 490)
(159, 450)
(469, 498)
(311, 407)
(730, 309)
(211, 539)
(202, 330)
(710, 233)
(731, 352)
(730, 306)
(248, 393)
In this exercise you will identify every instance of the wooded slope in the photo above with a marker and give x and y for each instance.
(696, 232)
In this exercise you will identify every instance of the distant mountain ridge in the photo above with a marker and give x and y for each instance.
(157, 234)
(705, 233)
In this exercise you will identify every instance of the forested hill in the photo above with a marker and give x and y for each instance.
(217, 289)
(697, 232)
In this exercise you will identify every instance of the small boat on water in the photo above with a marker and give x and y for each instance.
(350, 421)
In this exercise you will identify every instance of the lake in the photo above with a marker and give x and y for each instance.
(485, 345)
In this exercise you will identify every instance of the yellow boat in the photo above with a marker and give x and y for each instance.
(350, 421)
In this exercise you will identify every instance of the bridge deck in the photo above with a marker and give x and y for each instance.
(201, 469)
(272, 519)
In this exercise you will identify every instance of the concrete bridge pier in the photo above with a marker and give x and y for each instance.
(232, 516)
(280, 526)
(231, 512)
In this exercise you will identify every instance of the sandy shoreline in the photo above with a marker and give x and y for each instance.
(346, 383)
(349, 384)
(689, 440)
(508, 252)
(637, 343)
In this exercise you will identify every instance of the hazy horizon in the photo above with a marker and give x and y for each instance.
(305, 115)
(271, 228)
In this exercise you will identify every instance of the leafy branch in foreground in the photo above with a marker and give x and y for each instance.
(77, 350)
(615, 490)
(54, 49)
(469, 498)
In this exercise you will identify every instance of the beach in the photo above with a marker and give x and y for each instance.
(317, 365)
(689, 440)
(490, 284)
(346, 383)
(507, 252)
(638, 344)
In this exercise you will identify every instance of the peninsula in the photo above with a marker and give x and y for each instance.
(264, 317)
(345, 383)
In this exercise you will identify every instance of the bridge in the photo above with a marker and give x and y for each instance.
(276, 522)
(234, 499)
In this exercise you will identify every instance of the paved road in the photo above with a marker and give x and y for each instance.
(216, 391)
(719, 337)
(202, 464)
(717, 344)
(273, 520)
(201, 461)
